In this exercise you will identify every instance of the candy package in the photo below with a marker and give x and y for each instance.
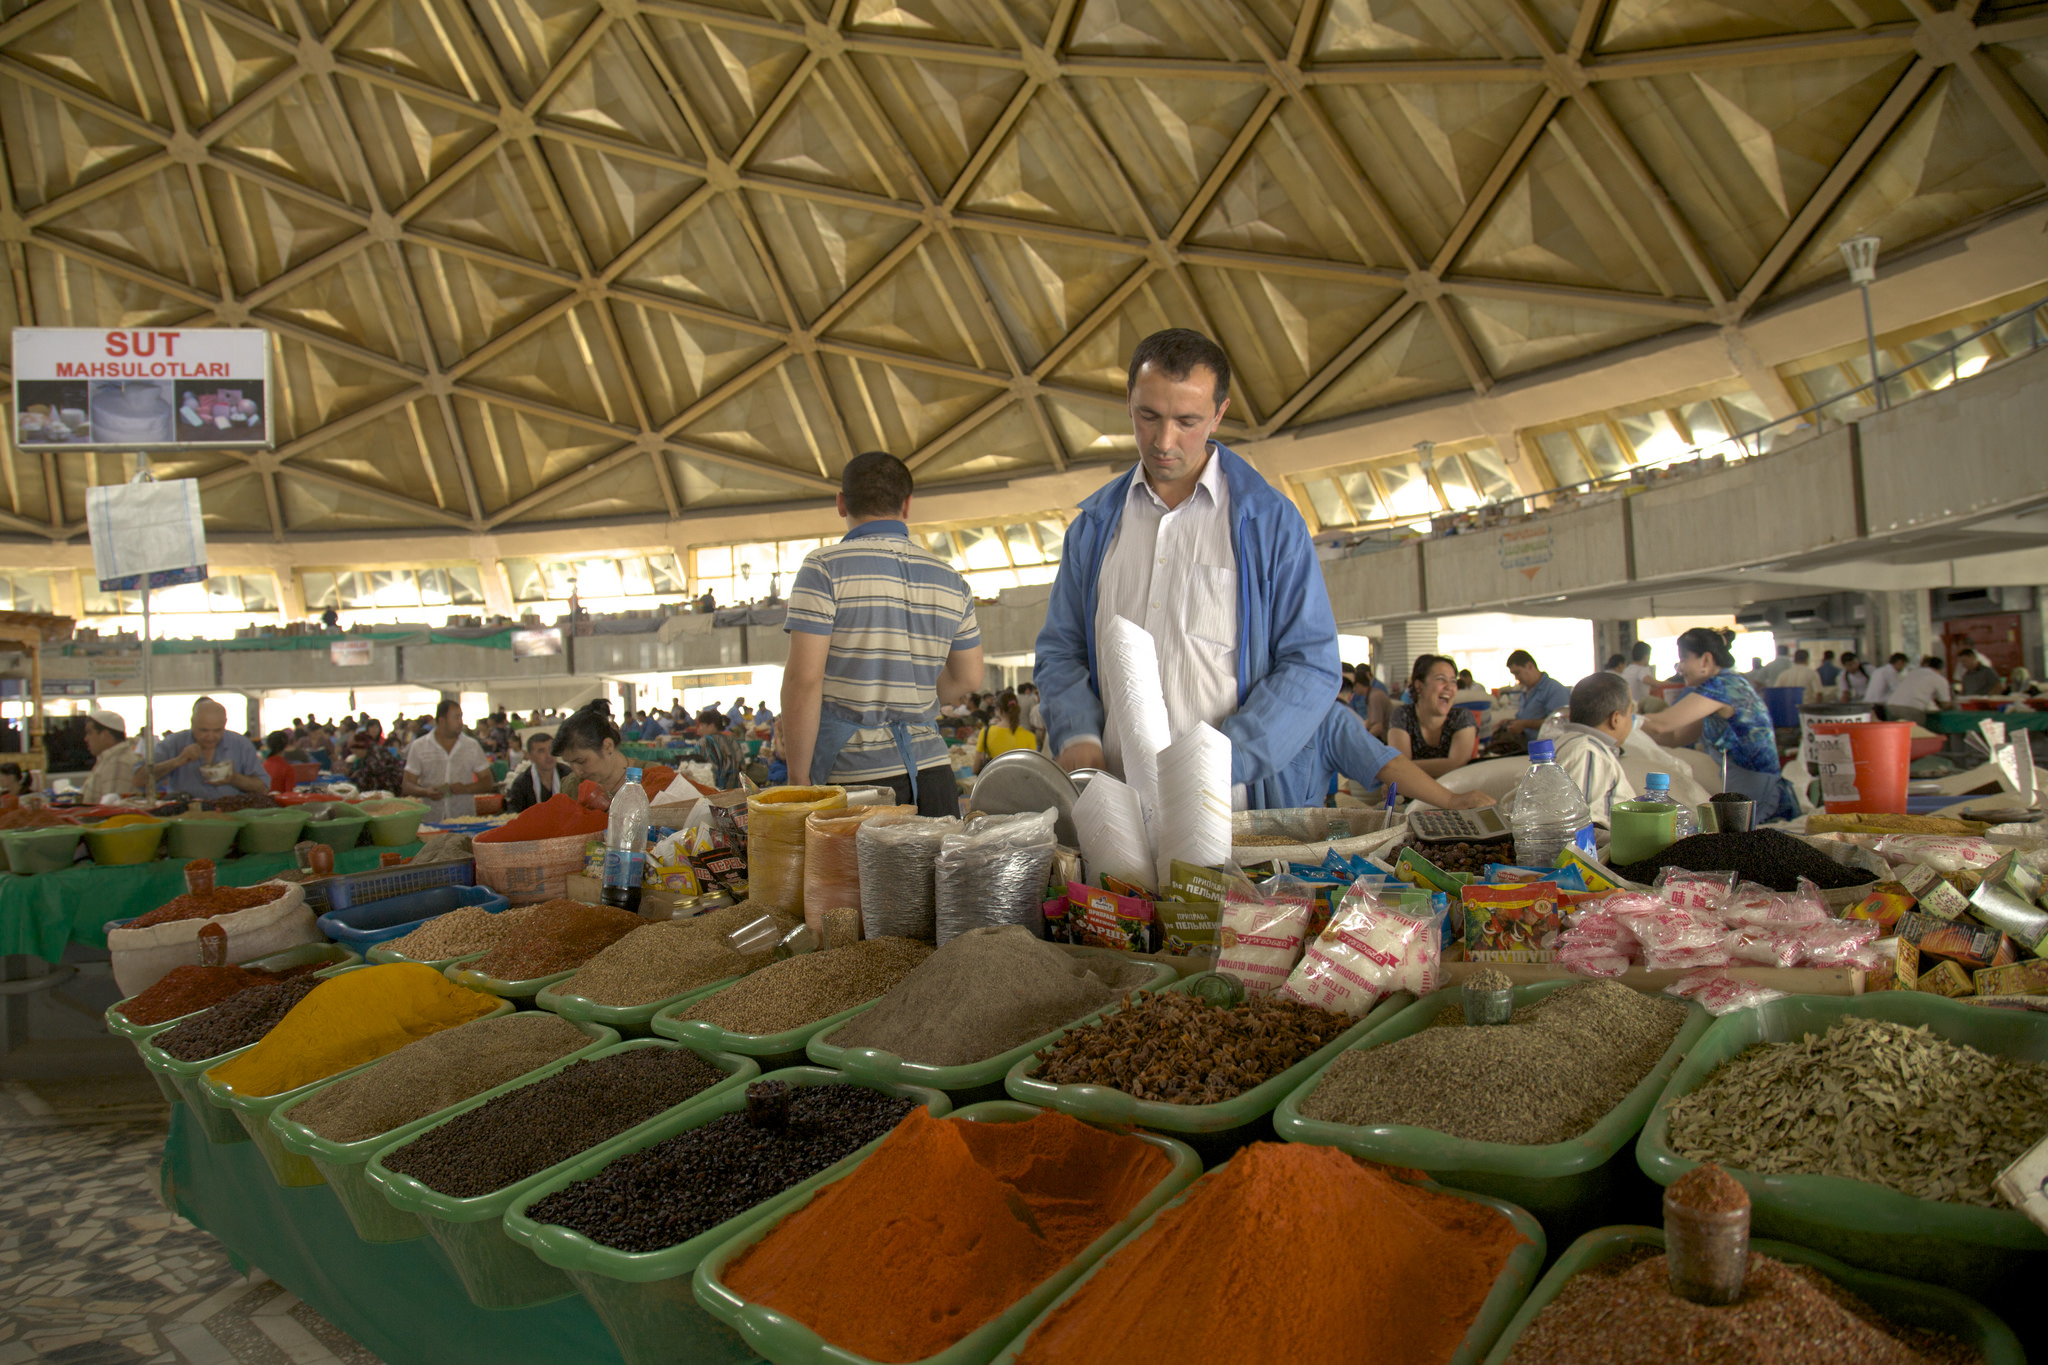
(1719, 993)
(1765, 947)
(1512, 923)
(1695, 890)
(1370, 949)
(1260, 937)
(1841, 943)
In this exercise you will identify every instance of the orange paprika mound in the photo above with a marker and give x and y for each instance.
(945, 1226)
(1289, 1253)
(557, 817)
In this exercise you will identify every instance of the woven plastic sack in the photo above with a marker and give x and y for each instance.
(832, 859)
(898, 886)
(775, 843)
(993, 872)
(1110, 822)
(143, 956)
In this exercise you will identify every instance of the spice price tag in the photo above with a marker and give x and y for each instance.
(1834, 759)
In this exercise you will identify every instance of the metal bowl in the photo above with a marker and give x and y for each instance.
(1026, 780)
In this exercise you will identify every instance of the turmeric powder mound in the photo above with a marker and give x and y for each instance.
(947, 1225)
(1400, 1272)
(350, 1019)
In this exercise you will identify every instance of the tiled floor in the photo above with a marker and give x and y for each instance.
(93, 1271)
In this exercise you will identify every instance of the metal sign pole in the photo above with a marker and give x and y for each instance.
(148, 687)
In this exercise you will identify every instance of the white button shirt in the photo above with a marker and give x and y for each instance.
(430, 765)
(1174, 573)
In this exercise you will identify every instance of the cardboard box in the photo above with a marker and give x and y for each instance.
(1906, 969)
(1965, 942)
(2020, 978)
(1936, 895)
(1884, 906)
(1947, 979)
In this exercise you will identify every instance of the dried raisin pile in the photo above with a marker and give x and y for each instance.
(1174, 1049)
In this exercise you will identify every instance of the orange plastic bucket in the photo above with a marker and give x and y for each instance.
(1868, 772)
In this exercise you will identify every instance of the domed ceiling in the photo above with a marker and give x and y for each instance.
(530, 262)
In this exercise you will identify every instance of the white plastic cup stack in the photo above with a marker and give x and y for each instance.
(1111, 823)
(1194, 787)
(1135, 702)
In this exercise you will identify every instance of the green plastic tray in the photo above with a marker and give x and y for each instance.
(395, 828)
(384, 952)
(30, 851)
(333, 954)
(1996, 1255)
(645, 1298)
(1100, 1104)
(773, 1051)
(1565, 1184)
(634, 1021)
(497, 1271)
(200, 836)
(271, 831)
(785, 1340)
(253, 1112)
(1906, 1302)
(340, 832)
(504, 990)
(971, 1082)
(1510, 1287)
(341, 1163)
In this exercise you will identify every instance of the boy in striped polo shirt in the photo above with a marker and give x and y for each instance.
(881, 633)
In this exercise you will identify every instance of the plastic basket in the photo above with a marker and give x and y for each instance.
(364, 926)
(504, 990)
(1906, 1302)
(531, 870)
(972, 1082)
(783, 1338)
(772, 1050)
(635, 1021)
(1568, 1185)
(1510, 1287)
(645, 1299)
(1994, 1254)
(496, 1271)
(341, 1163)
(1217, 1126)
(360, 888)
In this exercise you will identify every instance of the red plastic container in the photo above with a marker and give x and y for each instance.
(1882, 754)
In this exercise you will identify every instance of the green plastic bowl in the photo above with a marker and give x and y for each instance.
(1906, 1302)
(271, 831)
(397, 827)
(340, 833)
(124, 845)
(30, 851)
(200, 836)
(634, 1021)
(326, 955)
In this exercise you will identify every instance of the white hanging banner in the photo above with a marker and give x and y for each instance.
(151, 530)
(82, 388)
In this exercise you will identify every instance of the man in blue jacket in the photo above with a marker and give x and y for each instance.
(1197, 548)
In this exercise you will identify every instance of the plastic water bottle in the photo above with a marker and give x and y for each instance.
(625, 844)
(1657, 787)
(1548, 814)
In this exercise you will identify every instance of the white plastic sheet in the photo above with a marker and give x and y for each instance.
(1110, 820)
(1134, 701)
(1194, 801)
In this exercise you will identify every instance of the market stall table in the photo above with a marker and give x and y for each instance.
(1966, 722)
(40, 914)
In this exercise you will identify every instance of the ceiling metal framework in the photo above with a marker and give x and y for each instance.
(542, 261)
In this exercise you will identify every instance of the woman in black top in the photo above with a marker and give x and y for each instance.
(1440, 737)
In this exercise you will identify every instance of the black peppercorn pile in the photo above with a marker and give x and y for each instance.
(235, 1022)
(527, 1130)
(1174, 1049)
(692, 1182)
(1764, 856)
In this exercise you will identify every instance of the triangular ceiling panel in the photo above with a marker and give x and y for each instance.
(406, 138)
(221, 60)
(631, 489)
(779, 419)
(499, 204)
(707, 483)
(1741, 149)
(729, 74)
(1415, 359)
(1161, 28)
(416, 38)
(152, 223)
(236, 505)
(896, 408)
(316, 386)
(1430, 147)
(264, 232)
(820, 248)
(529, 37)
(514, 452)
(925, 306)
(1101, 361)
(1048, 170)
(1007, 443)
(298, 134)
(1287, 327)
(676, 360)
(953, 21)
(566, 362)
(66, 291)
(96, 47)
(708, 259)
(322, 507)
(1946, 165)
(359, 300)
(1168, 133)
(1514, 335)
(1632, 25)
(54, 146)
(614, 91)
(1092, 430)
(1572, 215)
(404, 452)
(941, 110)
(1418, 30)
(1043, 289)
(2026, 61)
(612, 196)
(469, 302)
(1293, 196)
(826, 138)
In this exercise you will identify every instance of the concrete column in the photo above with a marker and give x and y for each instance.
(1401, 644)
(1612, 637)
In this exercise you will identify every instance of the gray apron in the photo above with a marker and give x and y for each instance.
(837, 724)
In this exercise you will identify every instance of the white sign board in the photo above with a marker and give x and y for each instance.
(82, 388)
(149, 529)
(350, 653)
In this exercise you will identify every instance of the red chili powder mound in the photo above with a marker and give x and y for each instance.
(206, 904)
(1709, 1189)
(555, 818)
(946, 1225)
(1398, 1272)
(184, 990)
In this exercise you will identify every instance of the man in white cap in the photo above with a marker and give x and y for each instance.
(114, 760)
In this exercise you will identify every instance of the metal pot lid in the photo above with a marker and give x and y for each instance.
(1025, 780)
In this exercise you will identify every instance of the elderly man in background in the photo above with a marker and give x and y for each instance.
(1196, 548)
(115, 763)
(208, 761)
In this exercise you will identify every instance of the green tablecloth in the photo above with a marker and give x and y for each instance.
(1965, 722)
(400, 1301)
(41, 914)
